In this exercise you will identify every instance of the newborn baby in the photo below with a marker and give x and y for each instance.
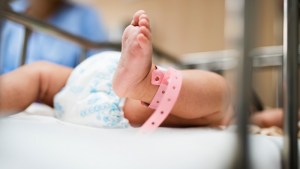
(107, 89)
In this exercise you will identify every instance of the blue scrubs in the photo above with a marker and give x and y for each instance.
(78, 20)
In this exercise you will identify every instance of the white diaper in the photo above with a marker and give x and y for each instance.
(88, 97)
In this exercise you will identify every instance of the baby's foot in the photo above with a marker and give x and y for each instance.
(136, 60)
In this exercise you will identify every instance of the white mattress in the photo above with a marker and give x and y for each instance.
(37, 140)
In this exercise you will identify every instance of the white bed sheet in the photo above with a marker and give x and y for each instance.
(37, 140)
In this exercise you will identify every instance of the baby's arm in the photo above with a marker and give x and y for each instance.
(38, 81)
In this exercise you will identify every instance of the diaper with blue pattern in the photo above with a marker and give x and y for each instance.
(88, 98)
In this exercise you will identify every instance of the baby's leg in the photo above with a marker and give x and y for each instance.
(204, 95)
(268, 118)
(38, 81)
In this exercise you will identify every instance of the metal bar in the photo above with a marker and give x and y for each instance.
(214, 60)
(290, 83)
(27, 33)
(83, 55)
(159, 53)
(245, 84)
(270, 56)
(240, 17)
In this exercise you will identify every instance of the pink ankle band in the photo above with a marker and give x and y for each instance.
(159, 78)
(164, 99)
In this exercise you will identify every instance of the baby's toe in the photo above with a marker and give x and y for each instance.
(144, 21)
(136, 17)
(143, 41)
(146, 32)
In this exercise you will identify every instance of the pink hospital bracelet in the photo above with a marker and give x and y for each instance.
(160, 78)
(164, 99)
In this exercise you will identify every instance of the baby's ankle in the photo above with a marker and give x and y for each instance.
(144, 91)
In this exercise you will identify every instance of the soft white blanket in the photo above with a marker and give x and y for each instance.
(35, 140)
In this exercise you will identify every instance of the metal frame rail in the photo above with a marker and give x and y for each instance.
(290, 83)
(241, 14)
(263, 57)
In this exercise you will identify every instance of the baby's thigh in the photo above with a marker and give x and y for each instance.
(52, 78)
